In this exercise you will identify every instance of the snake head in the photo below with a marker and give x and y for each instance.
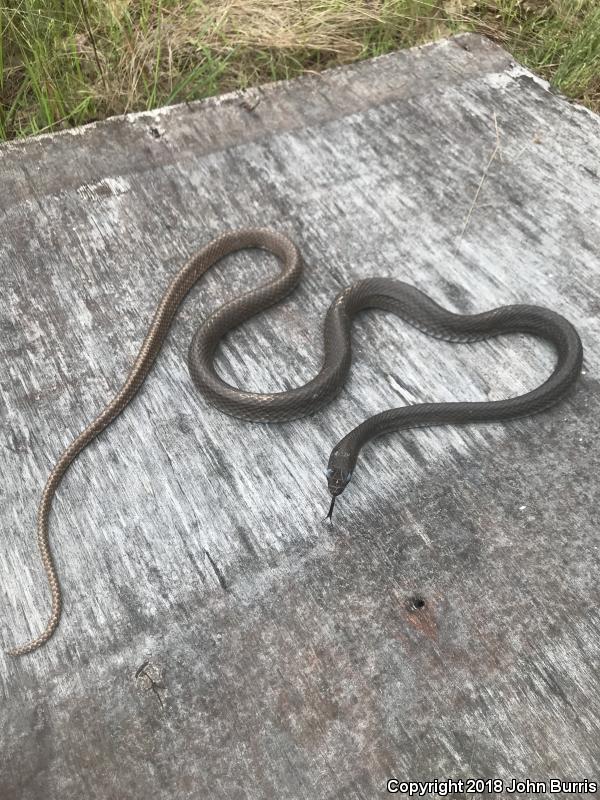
(337, 480)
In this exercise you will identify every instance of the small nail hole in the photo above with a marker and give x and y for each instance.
(416, 603)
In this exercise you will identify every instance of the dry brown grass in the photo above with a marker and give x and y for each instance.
(68, 62)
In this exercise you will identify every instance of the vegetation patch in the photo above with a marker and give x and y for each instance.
(67, 62)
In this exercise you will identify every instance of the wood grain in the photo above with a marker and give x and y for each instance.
(276, 657)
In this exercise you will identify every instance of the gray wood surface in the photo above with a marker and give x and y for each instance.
(286, 659)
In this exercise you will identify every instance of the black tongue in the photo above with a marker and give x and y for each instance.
(330, 514)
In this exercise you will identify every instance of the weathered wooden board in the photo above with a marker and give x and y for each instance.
(291, 658)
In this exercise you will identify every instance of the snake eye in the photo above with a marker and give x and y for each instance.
(329, 472)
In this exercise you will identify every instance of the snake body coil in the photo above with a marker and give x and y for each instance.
(385, 293)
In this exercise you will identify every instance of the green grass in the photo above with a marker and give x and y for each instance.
(67, 62)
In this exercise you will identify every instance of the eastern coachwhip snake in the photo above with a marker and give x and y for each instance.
(385, 293)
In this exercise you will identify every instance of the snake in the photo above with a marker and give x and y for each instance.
(406, 301)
